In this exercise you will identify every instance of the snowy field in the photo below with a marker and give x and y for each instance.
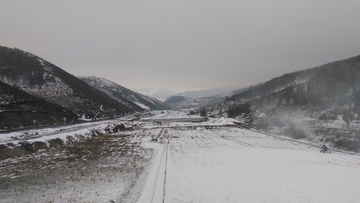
(211, 161)
(237, 165)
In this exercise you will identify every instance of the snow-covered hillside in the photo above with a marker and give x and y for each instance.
(321, 103)
(19, 109)
(45, 81)
(123, 94)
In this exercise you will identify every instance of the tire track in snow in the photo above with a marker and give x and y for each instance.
(159, 189)
(232, 140)
(154, 191)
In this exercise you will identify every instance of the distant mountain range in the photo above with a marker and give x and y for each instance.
(163, 94)
(207, 92)
(158, 93)
(46, 82)
(201, 98)
(182, 102)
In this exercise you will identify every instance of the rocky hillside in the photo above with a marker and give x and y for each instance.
(50, 83)
(321, 103)
(124, 95)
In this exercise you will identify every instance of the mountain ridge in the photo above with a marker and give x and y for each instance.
(123, 94)
(46, 81)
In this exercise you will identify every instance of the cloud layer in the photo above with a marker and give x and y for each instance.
(183, 45)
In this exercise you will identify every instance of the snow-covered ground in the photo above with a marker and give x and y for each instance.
(44, 134)
(209, 161)
(170, 114)
(238, 165)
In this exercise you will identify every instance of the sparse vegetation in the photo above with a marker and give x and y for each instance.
(203, 112)
(71, 166)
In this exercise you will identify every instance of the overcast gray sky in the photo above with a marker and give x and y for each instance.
(183, 45)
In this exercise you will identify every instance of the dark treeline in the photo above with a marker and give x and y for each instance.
(238, 109)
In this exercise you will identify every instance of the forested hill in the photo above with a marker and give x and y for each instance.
(321, 103)
(50, 83)
(333, 79)
(19, 109)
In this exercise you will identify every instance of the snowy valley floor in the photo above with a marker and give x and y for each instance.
(204, 162)
(229, 164)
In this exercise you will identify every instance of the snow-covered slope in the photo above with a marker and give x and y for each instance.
(44, 80)
(321, 103)
(123, 94)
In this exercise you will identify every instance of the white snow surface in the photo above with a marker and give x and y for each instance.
(62, 132)
(238, 165)
(142, 105)
(169, 114)
(213, 162)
